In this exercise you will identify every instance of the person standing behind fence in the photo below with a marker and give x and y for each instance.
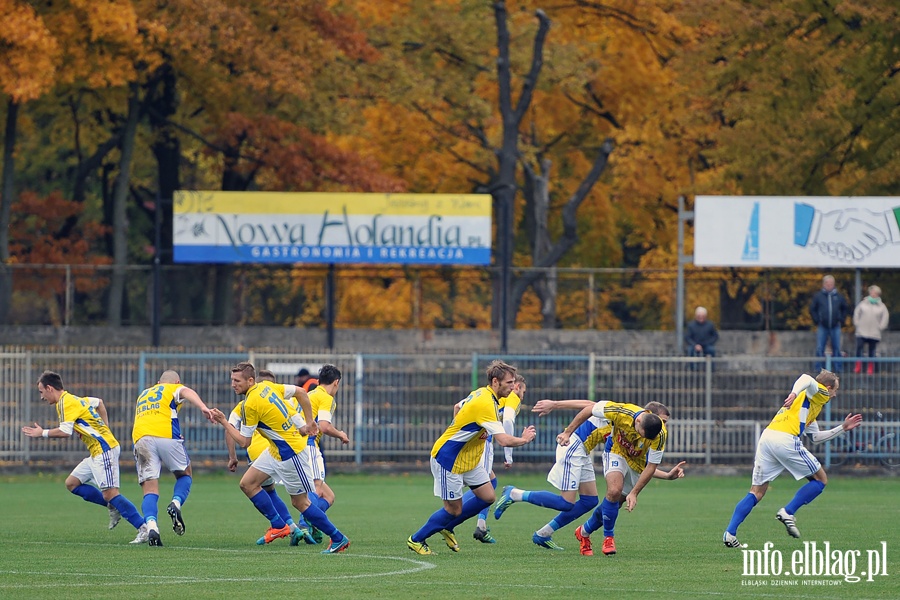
(829, 309)
(869, 319)
(158, 441)
(701, 335)
(87, 416)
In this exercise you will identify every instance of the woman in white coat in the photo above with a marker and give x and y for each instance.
(869, 319)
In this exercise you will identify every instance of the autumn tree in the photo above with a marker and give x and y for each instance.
(28, 54)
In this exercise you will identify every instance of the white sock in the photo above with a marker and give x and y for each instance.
(482, 524)
(176, 503)
(515, 494)
(545, 531)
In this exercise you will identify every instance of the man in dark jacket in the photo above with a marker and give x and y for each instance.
(829, 310)
(701, 335)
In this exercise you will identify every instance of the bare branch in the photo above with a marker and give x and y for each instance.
(537, 62)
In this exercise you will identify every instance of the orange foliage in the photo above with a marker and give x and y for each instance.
(28, 52)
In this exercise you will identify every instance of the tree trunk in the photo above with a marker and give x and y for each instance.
(6, 198)
(504, 186)
(120, 212)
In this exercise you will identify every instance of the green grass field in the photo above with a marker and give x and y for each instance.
(54, 545)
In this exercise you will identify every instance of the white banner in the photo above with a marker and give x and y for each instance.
(796, 231)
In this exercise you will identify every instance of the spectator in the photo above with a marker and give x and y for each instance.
(305, 380)
(701, 335)
(869, 319)
(829, 309)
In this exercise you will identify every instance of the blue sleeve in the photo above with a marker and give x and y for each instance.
(803, 219)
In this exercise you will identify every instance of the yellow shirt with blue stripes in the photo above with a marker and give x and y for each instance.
(324, 403)
(77, 414)
(156, 412)
(637, 450)
(460, 447)
(265, 410)
(803, 411)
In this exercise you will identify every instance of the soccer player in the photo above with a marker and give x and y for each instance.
(158, 441)
(299, 401)
(509, 409)
(286, 458)
(456, 457)
(87, 416)
(638, 442)
(573, 473)
(779, 448)
(324, 407)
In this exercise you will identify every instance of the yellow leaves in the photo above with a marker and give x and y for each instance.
(28, 52)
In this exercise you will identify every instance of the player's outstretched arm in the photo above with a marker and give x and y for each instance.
(545, 407)
(675, 472)
(194, 398)
(38, 431)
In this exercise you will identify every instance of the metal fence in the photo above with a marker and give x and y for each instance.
(393, 406)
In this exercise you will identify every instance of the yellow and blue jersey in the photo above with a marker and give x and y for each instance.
(156, 413)
(803, 411)
(257, 443)
(79, 414)
(593, 432)
(265, 410)
(321, 402)
(625, 441)
(459, 448)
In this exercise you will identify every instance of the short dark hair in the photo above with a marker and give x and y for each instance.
(652, 425)
(304, 372)
(265, 374)
(246, 368)
(658, 408)
(51, 379)
(329, 374)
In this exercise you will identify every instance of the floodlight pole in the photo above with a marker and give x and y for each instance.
(329, 305)
(683, 259)
(156, 319)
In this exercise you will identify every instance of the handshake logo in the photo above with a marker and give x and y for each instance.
(849, 235)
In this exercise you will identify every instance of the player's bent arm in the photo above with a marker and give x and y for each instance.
(230, 432)
(545, 407)
(101, 409)
(305, 405)
(818, 436)
(509, 426)
(511, 441)
(586, 413)
(331, 431)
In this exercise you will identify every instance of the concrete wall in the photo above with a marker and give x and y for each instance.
(637, 343)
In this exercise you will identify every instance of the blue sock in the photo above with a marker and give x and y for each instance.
(150, 507)
(584, 505)
(741, 511)
(805, 495)
(594, 522)
(483, 515)
(90, 494)
(314, 515)
(547, 500)
(319, 501)
(264, 505)
(279, 505)
(472, 505)
(182, 488)
(127, 510)
(610, 512)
